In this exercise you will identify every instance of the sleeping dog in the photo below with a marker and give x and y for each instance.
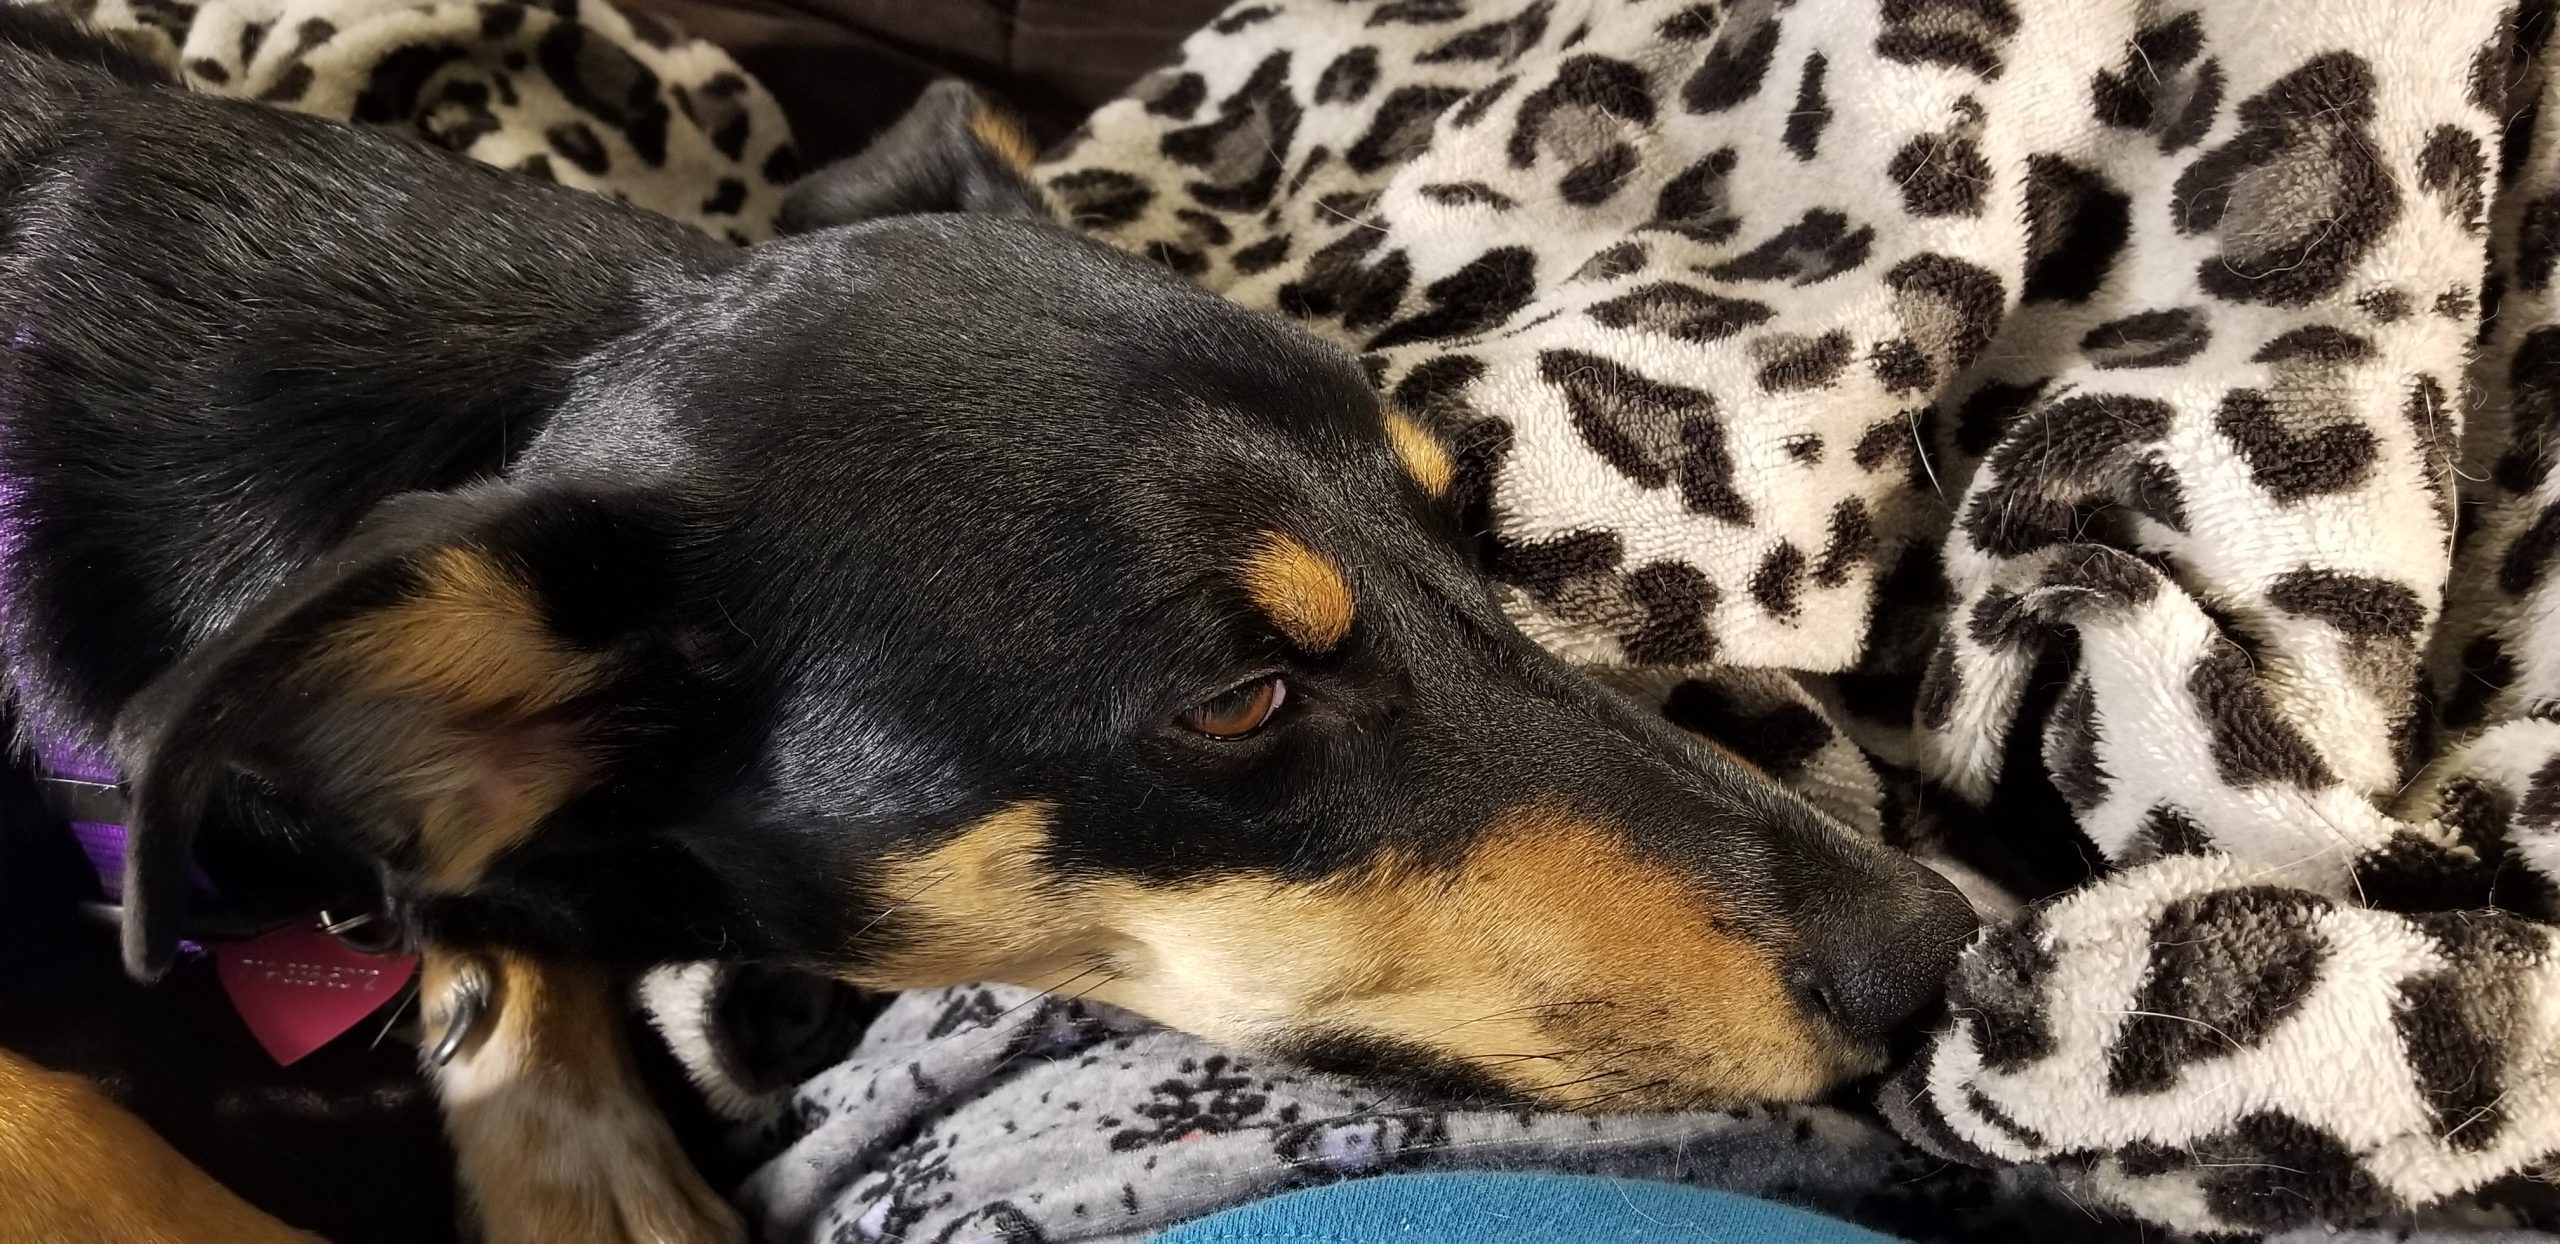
(933, 596)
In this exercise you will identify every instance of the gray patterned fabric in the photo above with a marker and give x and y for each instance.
(995, 1115)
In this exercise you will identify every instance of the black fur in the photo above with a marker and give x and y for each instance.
(927, 162)
(875, 529)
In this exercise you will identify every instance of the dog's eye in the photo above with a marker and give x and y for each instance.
(1240, 712)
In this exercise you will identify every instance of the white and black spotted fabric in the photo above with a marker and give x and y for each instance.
(2152, 403)
(573, 91)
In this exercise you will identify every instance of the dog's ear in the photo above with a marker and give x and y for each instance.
(956, 150)
(438, 687)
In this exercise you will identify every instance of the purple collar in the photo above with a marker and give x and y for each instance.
(81, 786)
(297, 987)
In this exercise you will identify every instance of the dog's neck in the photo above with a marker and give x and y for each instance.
(204, 381)
(178, 441)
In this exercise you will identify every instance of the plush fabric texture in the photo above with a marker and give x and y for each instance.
(573, 91)
(996, 1115)
(992, 1115)
(2139, 410)
(1501, 1209)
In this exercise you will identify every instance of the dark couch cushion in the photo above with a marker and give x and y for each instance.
(843, 69)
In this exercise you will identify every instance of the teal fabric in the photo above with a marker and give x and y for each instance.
(1505, 1209)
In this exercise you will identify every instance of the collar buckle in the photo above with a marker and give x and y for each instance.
(80, 799)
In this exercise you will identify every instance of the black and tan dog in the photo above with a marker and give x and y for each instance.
(936, 598)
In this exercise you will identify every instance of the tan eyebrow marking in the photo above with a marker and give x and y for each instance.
(1002, 133)
(1300, 590)
(1423, 456)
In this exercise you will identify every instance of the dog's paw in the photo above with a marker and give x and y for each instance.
(547, 1168)
(555, 1137)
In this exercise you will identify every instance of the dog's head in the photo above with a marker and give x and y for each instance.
(944, 597)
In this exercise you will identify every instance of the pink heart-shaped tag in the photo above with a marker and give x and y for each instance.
(298, 988)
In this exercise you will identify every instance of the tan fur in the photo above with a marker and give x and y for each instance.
(471, 637)
(1422, 455)
(982, 898)
(469, 650)
(555, 1137)
(1003, 133)
(1300, 590)
(75, 1168)
(1551, 957)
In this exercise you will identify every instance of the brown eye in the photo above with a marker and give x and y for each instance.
(1239, 712)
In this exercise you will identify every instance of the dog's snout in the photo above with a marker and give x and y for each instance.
(1876, 963)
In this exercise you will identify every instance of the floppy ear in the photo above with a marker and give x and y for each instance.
(439, 687)
(956, 150)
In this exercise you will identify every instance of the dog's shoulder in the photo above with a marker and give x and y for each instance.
(43, 52)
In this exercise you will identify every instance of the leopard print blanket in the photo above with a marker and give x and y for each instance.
(571, 91)
(2142, 406)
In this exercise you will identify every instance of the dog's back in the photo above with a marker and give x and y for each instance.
(49, 64)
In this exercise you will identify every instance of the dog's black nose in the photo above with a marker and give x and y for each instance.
(1876, 963)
